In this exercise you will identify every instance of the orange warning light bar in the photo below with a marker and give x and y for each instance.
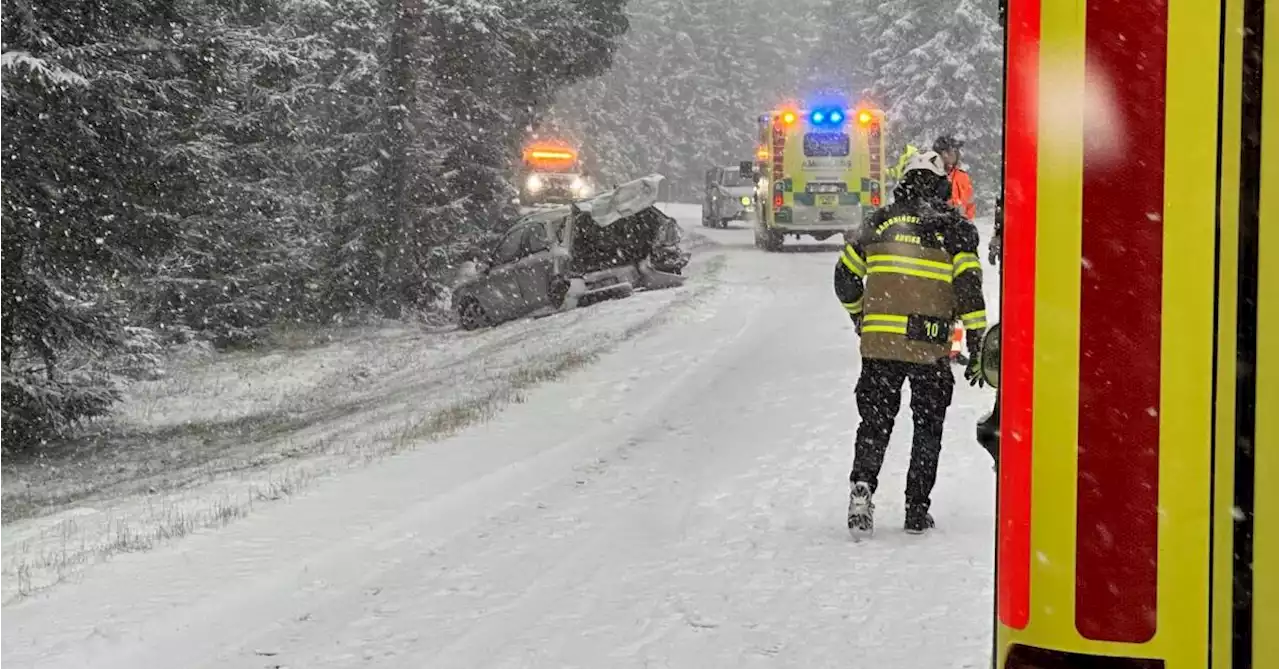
(550, 154)
(865, 117)
(788, 117)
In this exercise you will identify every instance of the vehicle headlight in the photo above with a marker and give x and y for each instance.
(746, 200)
(580, 187)
(533, 184)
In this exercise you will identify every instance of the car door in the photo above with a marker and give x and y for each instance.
(537, 265)
(504, 298)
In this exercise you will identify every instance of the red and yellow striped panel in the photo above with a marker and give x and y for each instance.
(1221, 578)
(1018, 306)
(1265, 647)
(1127, 188)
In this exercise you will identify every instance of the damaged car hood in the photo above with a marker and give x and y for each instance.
(626, 200)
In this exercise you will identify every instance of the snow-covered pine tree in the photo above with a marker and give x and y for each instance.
(937, 69)
(99, 172)
(687, 85)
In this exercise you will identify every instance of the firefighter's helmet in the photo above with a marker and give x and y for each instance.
(924, 177)
(926, 160)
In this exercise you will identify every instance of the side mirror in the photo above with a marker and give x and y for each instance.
(989, 356)
(747, 169)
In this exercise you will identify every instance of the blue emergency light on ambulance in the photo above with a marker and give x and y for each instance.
(826, 117)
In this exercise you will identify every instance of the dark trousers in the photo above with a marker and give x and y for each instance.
(879, 396)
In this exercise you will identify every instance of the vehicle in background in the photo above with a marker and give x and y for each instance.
(552, 173)
(729, 196)
(818, 171)
(606, 247)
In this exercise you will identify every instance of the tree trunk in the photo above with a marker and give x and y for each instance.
(10, 288)
(396, 228)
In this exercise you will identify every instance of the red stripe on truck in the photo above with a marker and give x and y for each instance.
(1120, 292)
(1018, 311)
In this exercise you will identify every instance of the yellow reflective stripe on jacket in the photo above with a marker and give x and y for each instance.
(886, 323)
(974, 319)
(884, 318)
(854, 307)
(887, 329)
(911, 266)
(909, 260)
(965, 261)
(852, 261)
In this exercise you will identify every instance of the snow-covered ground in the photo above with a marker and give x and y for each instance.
(674, 499)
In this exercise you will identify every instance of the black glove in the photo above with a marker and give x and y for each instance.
(993, 250)
(857, 323)
(973, 371)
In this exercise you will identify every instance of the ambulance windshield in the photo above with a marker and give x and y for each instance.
(826, 145)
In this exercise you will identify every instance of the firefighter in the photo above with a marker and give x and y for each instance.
(961, 185)
(912, 272)
(897, 171)
(961, 188)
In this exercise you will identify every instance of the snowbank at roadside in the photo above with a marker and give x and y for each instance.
(201, 447)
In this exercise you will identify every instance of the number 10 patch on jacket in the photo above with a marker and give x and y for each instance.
(929, 329)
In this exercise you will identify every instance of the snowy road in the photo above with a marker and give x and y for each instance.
(679, 503)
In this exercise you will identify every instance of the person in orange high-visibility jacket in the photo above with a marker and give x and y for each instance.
(948, 148)
(961, 186)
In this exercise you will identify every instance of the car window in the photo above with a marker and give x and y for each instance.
(509, 249)
(535, 241)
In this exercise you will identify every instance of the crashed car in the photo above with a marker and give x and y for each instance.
(606, 247)
(729, 196)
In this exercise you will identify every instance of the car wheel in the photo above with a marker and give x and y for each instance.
(557, 291)
(471, 315)
(773, 240)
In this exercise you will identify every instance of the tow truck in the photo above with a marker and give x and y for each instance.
(818, 171)
(552, 174)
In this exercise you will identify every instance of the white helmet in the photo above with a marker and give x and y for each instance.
(925, 160)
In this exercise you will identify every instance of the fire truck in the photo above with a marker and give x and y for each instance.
(552, 173)
(1137, 487)
(819, 170)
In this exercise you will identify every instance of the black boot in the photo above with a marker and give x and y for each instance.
(989, 435)
(918, 520)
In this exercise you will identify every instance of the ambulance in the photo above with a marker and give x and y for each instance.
(819, 171)
(552, 174)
